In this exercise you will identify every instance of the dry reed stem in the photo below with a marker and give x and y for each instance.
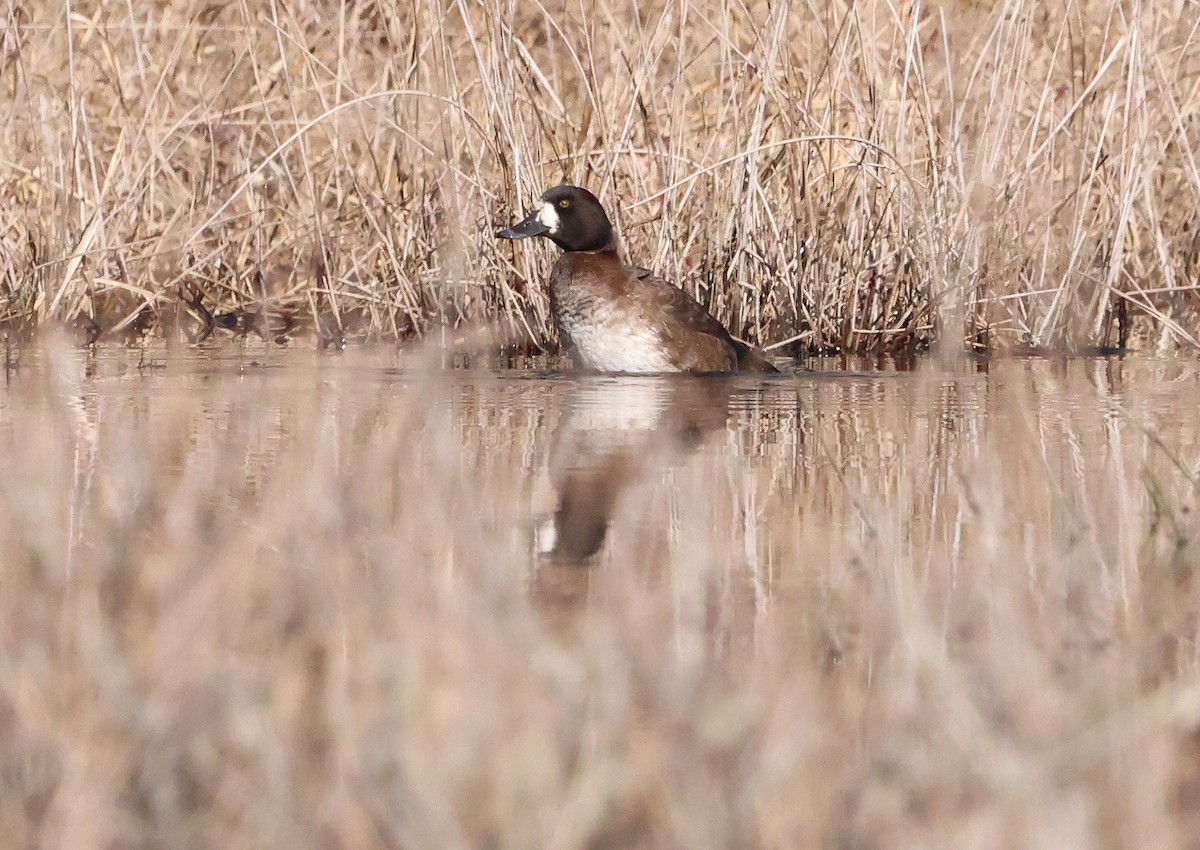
(853, 176)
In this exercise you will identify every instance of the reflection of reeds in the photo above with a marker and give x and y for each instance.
(854, 176)
(297, 607)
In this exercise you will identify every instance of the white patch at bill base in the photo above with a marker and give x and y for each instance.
(549, 217)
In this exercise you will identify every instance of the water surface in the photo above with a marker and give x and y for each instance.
(367, 594)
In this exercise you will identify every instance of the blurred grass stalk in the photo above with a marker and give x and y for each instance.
(861, 176)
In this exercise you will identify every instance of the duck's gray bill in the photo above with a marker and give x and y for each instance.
(531, 226)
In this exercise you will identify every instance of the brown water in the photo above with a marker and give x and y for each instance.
(254, 596)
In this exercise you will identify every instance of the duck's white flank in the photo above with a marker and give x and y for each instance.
(611, 341)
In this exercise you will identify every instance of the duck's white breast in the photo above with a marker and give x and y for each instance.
(608, 342)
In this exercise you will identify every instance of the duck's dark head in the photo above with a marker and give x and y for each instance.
(569, 216)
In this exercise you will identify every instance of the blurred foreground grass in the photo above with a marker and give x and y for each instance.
(288, 601)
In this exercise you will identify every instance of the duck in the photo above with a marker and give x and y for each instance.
(614, 317)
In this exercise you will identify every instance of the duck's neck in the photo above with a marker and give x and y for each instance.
(609, 249)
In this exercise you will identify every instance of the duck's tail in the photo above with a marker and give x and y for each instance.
(751, 359)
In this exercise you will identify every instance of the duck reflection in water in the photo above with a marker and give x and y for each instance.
(615, 432)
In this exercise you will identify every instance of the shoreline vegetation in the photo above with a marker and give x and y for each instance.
(845, 177)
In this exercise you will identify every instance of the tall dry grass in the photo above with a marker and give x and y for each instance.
(297, 607)
(835, 176)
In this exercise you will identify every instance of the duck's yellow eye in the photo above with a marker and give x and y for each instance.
(564, 203)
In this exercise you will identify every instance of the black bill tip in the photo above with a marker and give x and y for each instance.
(531, 226)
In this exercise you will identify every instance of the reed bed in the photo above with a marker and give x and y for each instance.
(298, 606)
(838, 176)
